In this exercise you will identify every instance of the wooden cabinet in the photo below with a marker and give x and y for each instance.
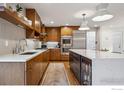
(36, 68)
(53, 34)
(55, 54)
(32, 15)
(68, 30)
(43, 35)
(37, 22)
(64, 57)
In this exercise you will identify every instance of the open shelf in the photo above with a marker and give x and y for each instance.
(13, 18)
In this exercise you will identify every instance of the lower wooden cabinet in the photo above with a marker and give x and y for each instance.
(55, 54)
(64, 57)
(36, 68)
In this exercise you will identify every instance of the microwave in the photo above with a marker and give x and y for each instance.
(66, 40)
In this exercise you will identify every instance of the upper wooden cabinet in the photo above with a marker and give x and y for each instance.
(68, 30)
(32, 15)
(53, 34)
(43, 35)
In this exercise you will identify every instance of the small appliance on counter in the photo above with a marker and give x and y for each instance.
(43, 46)
(52, 44)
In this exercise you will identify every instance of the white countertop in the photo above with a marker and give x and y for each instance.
(93, 54)
(20, 58)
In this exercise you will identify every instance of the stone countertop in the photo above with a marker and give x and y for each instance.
(93, 54)
(20, 58)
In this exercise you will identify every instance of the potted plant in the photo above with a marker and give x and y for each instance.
(19, 10)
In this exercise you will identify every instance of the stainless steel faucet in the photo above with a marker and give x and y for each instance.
(20, 48)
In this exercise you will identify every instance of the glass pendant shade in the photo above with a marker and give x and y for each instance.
(84, 23)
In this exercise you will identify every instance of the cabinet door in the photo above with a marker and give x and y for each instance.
(34, 70)
(55, 55)
(37, 22)
(53, 34)
(64, 57)
(29, 73)
(32, 15)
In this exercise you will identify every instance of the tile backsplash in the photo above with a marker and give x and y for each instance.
(9, 34)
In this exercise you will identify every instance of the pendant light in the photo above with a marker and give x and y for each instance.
(102, 13)
(84, 23)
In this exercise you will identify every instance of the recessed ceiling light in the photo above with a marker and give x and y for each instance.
(52, 22)
(67, 24)
(96, 25)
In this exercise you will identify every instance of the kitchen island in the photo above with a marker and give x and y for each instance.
(97, 67)
(26, 68)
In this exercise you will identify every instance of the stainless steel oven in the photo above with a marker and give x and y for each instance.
(66, 44)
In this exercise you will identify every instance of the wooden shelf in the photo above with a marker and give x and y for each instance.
(13, 18)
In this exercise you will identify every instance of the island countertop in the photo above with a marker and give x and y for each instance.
(93, 54)
(20, 58)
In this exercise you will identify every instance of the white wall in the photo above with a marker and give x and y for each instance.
(123, 43)
(9, 33)
(107, 29)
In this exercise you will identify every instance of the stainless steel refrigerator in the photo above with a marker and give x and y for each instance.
(79, 39)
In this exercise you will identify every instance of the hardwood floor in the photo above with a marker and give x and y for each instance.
(59, 71)
(71, 77)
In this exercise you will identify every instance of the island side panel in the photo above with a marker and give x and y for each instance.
(108, 72)
(12, 73)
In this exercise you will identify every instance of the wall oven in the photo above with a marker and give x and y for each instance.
(66, 44)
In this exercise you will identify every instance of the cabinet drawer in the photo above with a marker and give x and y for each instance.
(65, 57)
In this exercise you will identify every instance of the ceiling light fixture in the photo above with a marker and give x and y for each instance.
(52, 22)
(67, 24)
(84, 23)
(102, 13)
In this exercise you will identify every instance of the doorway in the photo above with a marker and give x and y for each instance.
(117, 42)
(91, 40)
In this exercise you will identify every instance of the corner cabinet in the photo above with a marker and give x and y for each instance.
(81, 67)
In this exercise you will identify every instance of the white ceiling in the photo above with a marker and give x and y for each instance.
(63, 13)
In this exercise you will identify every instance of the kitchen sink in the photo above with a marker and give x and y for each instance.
(28, 53)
